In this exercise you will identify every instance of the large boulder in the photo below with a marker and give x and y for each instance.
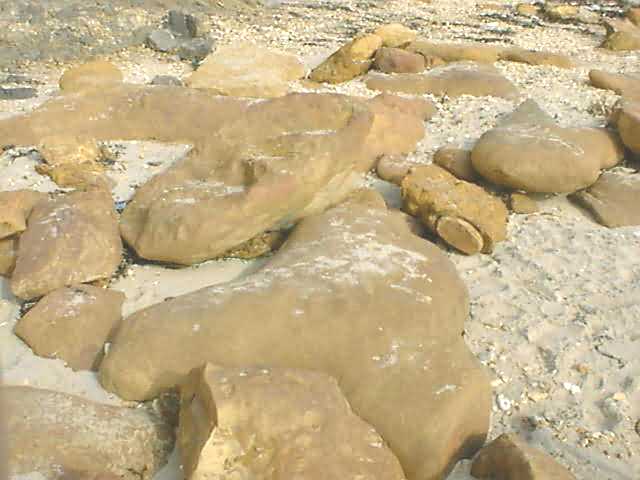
(627, 86)
(349, 61)
(626, 119)
(362, 299)
(298, 421)
(70, 239)
(529, 151)
(622, 34)
(72, 324)
(52, 433)
(15, 208)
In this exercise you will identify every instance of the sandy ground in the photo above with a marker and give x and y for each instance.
(555, 309)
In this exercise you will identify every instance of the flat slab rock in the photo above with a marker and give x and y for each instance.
(52, 433)
(614, 199)
(298, 421)
(528, 151)
(354, 272)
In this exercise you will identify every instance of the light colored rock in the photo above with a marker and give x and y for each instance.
(527, 9)
(621, 35)
(528, 151)
(72, 324)
(68, 149)
(626, 118)
(8, 253)
(396, 60)
(349, 61)
(52, 433)
(354, 272)
(457, 161)
(419, 107)
(70, 239)
(533, 57)
(510, 458)
(393, 168)
(90, 76)
(633, 14)
(463, 214)
(298, 421)
(256, 247)
(247, 70)
(395, 35)
(627, 86)
(561, 11)
(84, 176)
(521, 203)
(457, 52)
(15, 208)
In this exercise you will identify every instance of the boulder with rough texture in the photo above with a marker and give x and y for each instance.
(247, 70)
(521, 203)
(528, 151)
(626, 119)
(463, 214)
(396, 60)
(90, 76)
(456, 160)
(70, 239)
(349, 61)
(298, 421)
(352, 293)
(627, 86)
(8, 253)
(622, 34)
(52, 433)
(15, 208)
(395, 35)
(614, 199)
(464, 78)
(510, 458)
(72, 324)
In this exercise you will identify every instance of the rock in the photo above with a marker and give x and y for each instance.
(52, 431)
(68, 149)
(533, 57)
(396, 60)
(527, 9)
(419, 107)
(88, 476)
(162, 41)
(84, 176)
(457, 161)
(454, 52)
(296, 419)
(15, 208)
(166, 80)
(633, 14)
(393, 168)
(69, 240)
(613, 199)
(528, 151)
(258, 246)
(247, 70)
(72, 324)
(628, 86)
(8, 253)
(451, 80)
(17, 93)
(349, 61)
(521, 203)
(509, 458)
(561, 12)
(354, 272)
(195, 49)
(395, 35)
(89, 76)
(463, 214)
(182, 24)
(626, 119)
(621, 35)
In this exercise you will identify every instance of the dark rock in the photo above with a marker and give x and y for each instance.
(166, 80)
(18, 93)
(195, 49)
(182, 24)
(162, 41)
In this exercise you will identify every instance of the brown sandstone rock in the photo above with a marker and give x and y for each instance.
(561, 11)
(527, 9)
(419, 107)
(71, 239)
(528, 151)
(463, 214)
(454, 80)
(90, 76)
(627, 86)
(633, 14)
(520, 203)
(457, 52)
(510, 458)
(298, 421)
(247, 70)
(621, 35)
(395, 35)
(614, 199)
(8, 253)
(533, 57)
(457, 161)
(393, 168)
(349, 61)
(626, 118)
(351, 273)
(15, 208)
(72, 324)
(256, 247)
(53, 433)
(396, 60)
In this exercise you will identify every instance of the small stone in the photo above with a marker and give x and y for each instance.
(195, 49)
(162, 41)
(521, 203)
(396, 60)
(169, 80)
(17, 93)
(503, 403)
(393, 168)
(622, 35)
(182, 24)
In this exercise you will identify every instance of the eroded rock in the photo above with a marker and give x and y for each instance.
(53, 433)
(627, 86)
(8, 254)
(395, 35)
(296, 419)
(396, 60)
(90, 76)
(353, 272)
(349, 61)
(626, 118)
(393, 168)
(15, 208)
(622, 34)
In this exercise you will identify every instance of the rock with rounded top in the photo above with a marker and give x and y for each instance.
(560, 11)
(298, 420)
(625, 85)
(8, 253)
(349, 61)
(521, 203)
(393, 168)
(396, 60)
(90, 76)
(353, 272)
(457, 52)
(534, 57)
(56, 434)
(395, 35)
(15, 208)
(510, 458)
(528, 151)
(162, 41)
(621, 35)
(72, 324)
(419, 107)
(463, 214)
(626, 119)
(456, 160)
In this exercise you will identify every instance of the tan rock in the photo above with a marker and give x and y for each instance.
(349, 61)
(72, 324)
(295, 419)
(510, 458)
(528, 151)
(8, 254)
(521, 203)
(561, 11)
(457, 52)
(353, 272)
(533, 57)
(626, 118)
(395, 35)
(83, 176)
(454, 80)
(621, 35)
(15, 208)
(627, 86)
(613, 199)
(247, 70)
(527, 9)
(396, 60)
(393, 168)
(463, 214)
(53, 433)
(633, 14)
(457, 161)
(419, 107)
(258, 246)
(88, 476)
(63, 149)
(90, 76)
(71, 239)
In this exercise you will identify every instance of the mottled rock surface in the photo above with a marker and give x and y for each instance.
(90, 76)
(15, 208)
(349, 61)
